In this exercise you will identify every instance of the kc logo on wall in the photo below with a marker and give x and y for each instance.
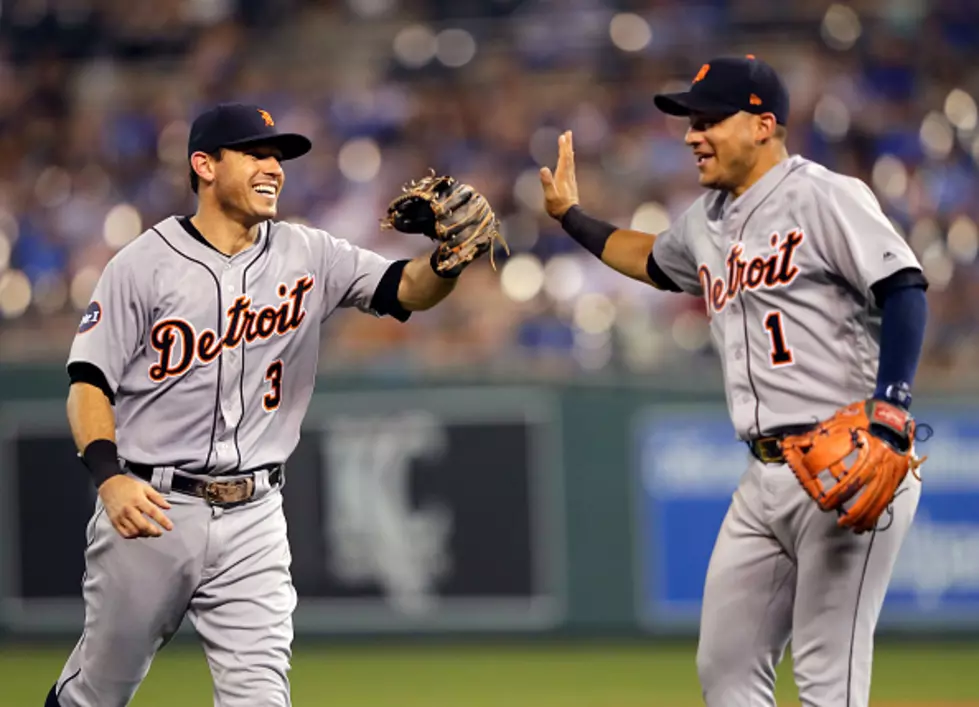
(379, 534)
(426, 515)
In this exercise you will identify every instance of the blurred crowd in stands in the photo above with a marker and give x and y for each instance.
(96, 97)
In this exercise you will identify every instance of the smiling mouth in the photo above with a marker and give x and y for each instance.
(266, 190)
(703, 159)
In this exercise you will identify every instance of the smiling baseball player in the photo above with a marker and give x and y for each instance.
(191, 373)
(817, 310)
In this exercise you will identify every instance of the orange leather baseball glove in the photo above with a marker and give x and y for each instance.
(861, 454)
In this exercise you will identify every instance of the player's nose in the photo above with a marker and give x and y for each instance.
(693, 137)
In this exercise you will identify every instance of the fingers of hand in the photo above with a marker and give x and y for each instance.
(156, 514)
(565, 153)
(142, 524)
(124, 527)
(157, 498)
(547, 180)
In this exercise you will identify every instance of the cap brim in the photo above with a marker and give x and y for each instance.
(687, 103)
(291, 145)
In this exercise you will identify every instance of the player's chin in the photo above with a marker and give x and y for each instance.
(265, 209)
(709, 181)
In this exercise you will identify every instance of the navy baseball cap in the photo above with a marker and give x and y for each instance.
(239, 125)
(727, 85)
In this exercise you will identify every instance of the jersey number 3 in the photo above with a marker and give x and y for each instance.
(780, 354)
(273, 374)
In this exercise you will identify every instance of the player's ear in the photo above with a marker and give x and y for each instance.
(765, 127)
(202, 164)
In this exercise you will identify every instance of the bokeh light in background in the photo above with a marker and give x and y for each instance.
(937, 265)
(690, 331)
(963, 240)
(82, 286)
(629, 32)
(455, 47)
(937, 137)
(924, 232)
(415, 46)
(832, 118)
(890, 177)
(522, 277)
(594, 313)
(650, 217)
(4, 251)
(15, 293)
(960, 109)
(841, 27)
(122, 225)
(563, 277)
(359, 159)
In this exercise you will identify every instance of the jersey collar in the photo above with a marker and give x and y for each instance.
(741, 208)
(175, 229)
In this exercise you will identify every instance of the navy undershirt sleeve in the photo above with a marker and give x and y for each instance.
(904, 317)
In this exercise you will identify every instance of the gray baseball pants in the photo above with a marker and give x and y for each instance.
(225, 568)
(781, 569)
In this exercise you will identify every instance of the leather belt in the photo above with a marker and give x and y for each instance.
(215, 490)
(768, 449)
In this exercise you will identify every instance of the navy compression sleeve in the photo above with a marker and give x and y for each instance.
(905, 314)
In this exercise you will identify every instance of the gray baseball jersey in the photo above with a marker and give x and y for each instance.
(785, 272)
(213, 358)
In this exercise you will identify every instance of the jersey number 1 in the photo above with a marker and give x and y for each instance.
(780, 353)
(273, 374)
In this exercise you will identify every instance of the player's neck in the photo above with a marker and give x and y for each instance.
(768, 159)
(225, 234)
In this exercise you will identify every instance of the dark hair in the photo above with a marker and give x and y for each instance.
(195, 180)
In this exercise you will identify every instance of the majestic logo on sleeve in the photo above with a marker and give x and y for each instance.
(178, 343)
(774, 270)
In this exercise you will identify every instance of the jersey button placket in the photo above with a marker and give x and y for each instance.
(737, 365)
(231, 376)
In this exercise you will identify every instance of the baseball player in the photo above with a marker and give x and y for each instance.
(817, 310)
(190, 374)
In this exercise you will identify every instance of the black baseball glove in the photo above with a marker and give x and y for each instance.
(451, 213)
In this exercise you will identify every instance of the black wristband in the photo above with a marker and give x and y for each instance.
(102, 459)
(448, 274)
(591, 233)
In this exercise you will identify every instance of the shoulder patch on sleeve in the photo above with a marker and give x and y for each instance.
(92, 316)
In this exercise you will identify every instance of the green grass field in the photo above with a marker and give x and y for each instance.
(586, 675)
